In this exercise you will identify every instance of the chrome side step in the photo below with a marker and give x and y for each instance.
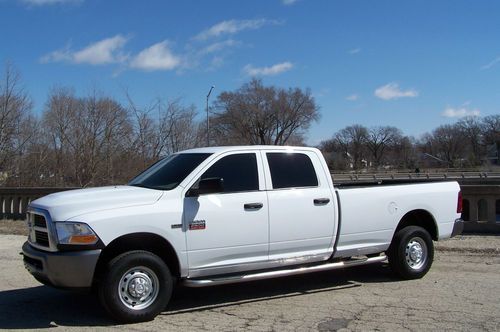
(279, 273)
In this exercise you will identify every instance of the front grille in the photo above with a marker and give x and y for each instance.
(42, 238)
(39, 221)
(40, 230)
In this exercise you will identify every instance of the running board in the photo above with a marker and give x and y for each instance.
(280, 273)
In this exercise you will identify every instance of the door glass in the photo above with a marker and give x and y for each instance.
(238, 172)
(291, 170)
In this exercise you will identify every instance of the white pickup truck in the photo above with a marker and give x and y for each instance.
(219, 215)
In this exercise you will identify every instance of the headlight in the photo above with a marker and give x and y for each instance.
(75, 233)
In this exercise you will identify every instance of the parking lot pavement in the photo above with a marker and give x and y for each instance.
(461, 292)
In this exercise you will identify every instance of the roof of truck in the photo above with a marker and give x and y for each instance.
(219, 149)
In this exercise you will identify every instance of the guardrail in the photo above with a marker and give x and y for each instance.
(362, 177)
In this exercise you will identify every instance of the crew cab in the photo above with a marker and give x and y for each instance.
(217, 215)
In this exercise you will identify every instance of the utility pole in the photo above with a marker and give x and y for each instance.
(208, 121)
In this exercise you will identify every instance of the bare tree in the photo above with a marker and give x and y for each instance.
(490, 127)
(379, 140)
(102, 125)
(163, 128)
(352, 140)
(87, 135)
(471, 129)
(446, 144)
(182, 133)
(256, 114)
(405, 153)
(28, 164)
(145, 130)
(59, 120)
(15, 107)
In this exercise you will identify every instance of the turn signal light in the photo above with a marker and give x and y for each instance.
(83, 239)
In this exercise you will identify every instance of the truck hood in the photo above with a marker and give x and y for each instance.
(65, 205)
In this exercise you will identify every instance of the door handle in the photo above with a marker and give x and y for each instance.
(253, 206)
(321, 201)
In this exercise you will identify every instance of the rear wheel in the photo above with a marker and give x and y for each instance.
(411, 252)
(136, 287)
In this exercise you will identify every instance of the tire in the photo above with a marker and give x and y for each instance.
(136, 286)
(411, 252)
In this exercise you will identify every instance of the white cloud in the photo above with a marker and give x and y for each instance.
(219, 46)
(288, 2)
(156, 57)
(491, 63)
(50, 2)
(392, 91)
(102, 52)
(355, 50)
(352, 97)
(460, 112)
(233, 26)
(106, 51)
(57, 56)
(268, 71)
(110, 51)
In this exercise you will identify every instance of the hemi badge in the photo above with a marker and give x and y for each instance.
(196, 225)
(174, 226)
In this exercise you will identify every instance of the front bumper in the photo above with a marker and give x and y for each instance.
(458, 227)
(73, 269)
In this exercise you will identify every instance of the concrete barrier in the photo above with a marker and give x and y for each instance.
(481, 208)
(14, 201)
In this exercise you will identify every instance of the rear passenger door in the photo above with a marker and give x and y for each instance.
(301, 210)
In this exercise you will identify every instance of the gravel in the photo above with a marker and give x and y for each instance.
(13, 227)
(484, 244)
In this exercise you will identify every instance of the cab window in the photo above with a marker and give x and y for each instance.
(238, 172)
(291, 170)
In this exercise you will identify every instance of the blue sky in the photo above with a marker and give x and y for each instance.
(410, 64)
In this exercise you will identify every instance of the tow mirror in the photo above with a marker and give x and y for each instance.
(207, 186)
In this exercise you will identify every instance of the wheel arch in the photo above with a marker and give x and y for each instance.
(421, 218)
(139, 241)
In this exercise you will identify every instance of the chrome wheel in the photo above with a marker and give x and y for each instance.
(138, 288)
(416, 253)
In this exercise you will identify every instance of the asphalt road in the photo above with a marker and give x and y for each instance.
(461, 292)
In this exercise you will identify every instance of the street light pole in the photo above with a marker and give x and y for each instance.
(208, 121)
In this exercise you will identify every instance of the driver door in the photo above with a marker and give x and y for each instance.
(228, 231)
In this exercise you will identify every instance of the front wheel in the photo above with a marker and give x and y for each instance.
(136, 287)
(411, 252)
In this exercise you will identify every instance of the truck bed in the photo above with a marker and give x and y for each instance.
(388, 182)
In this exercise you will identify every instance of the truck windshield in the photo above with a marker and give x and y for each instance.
(167, 173)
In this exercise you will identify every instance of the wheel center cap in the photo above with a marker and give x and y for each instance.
(138, 287)
(416, 253)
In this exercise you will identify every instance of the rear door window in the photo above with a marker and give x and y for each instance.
(291, 170)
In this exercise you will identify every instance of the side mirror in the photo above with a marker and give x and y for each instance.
(207, 186)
